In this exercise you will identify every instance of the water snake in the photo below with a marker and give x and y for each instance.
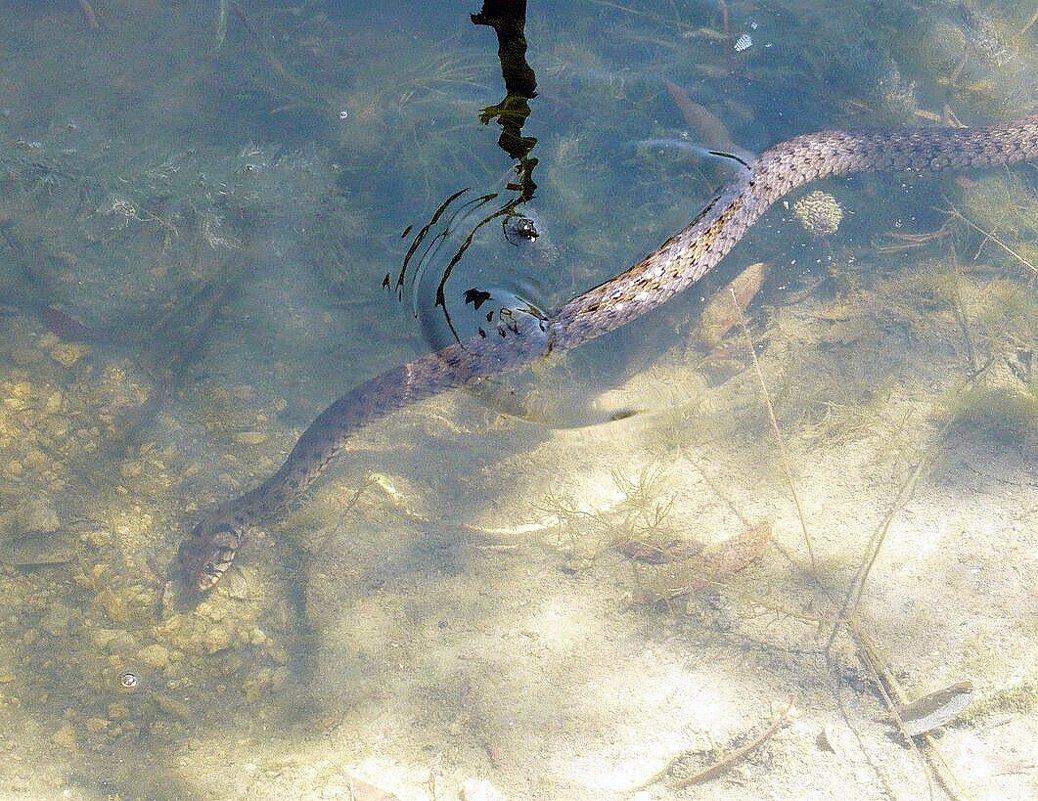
(206, 554)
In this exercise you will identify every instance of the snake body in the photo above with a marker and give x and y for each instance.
(207, 553)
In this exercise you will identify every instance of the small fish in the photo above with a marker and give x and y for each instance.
(68, 327)
(705, 126)
(690, 147)
(726, 307)
(936, 709)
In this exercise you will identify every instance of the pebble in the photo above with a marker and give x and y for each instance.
(254, 687)
(25, 356)
(250, 437)
(18, 396)
(56, 620)
(114, 605)
(57, 426)
(34, 457)
(217, 639)
(68, 353)
(113, 641)
(35, 516)
(173, 707)
(65, 736)
(155, 655)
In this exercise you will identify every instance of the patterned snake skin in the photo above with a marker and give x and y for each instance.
(207, 553)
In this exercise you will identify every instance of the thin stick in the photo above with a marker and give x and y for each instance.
(958, 215)
(1028, 24)
(729, 760)
(88, 12)
(960, 315)
(895, 698)
(783, 461)
(857, 585)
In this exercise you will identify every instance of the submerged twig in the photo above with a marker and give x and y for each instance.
(89, 14)
(899, 242)
(959, 308)
(721, 765)
(1028, 24)
(738, 755)
(857, 586)
(954, 213)
(896, 699)
(783, 459)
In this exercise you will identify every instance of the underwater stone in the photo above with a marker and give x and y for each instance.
(34, 517)
(218, 639)
(68, 353)
(155, 655)
(65, 737)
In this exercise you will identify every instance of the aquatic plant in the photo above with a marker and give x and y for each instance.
(819, 213)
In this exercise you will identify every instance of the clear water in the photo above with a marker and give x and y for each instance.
(200, 204)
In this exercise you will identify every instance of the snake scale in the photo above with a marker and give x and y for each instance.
(207, 553)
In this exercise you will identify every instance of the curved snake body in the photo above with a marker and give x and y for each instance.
(207, 553)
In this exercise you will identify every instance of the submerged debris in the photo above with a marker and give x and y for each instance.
(686, 569)
(897, 96)
(678, 773)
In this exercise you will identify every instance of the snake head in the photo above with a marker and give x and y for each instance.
(208, 552)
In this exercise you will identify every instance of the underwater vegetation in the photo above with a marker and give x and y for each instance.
(819, 213)
(1002, 212)
(408, 113)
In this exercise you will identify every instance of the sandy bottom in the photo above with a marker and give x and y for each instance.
(455, 613)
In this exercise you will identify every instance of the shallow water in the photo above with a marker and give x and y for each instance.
(486, 598)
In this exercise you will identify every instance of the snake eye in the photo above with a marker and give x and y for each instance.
(209, 569)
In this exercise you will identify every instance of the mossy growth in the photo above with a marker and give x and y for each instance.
(1001, 411)
(1003, 209)
(1019, 699)
(639, 515)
